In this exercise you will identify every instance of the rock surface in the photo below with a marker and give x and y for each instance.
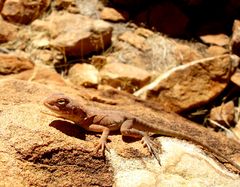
(123, 76)
(145, 49)
(217, 50)
(235, 40)
(41, 74)
(137, 41)
(37, 149)
(235, 78)
(218, 39)
(111, 14)
(23, 11)
(10, 64)
(236, 130)
(190, 85)
(1, 4)
(80, 35)
(7, 31)
(84, 75)
(187, 54)
(224, 114)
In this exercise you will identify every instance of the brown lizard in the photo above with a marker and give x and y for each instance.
(104, 121)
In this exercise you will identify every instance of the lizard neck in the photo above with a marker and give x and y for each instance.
(78, 113)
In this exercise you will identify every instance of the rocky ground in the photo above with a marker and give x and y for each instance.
(110, 55)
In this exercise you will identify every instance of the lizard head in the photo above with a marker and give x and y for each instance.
(65, 107)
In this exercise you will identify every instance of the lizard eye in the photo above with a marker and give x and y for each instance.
(62, 102)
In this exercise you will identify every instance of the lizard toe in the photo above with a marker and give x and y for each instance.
(101, 147)
(147, 142)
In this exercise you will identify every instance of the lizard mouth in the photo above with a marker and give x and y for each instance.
(51, 107)
(51, 114)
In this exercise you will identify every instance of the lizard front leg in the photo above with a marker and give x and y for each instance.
(127, 129)
(102, 145)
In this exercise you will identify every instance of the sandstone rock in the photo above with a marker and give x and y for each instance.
(43, 56)
(79, 36)
(235, 40)
(7, 31)
(235, 78)
(144, 32)
(135, 40)
(111, 14)
(1, 4)
(84, 75)
(217, 39)
(40, 25)
(164, 17)
(124, 76)
(10, 64)
(40, 43)
(37, 149)
(223, 114)
(190, 85)
(23, 11)
(152, 51)
(236, 129)
(186, 53)
(41, 74)
(217, 50)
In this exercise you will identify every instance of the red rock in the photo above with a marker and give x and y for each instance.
(7, 32)
(23, 11)
(235, 40)
(111, 14)
(217, 39)
(10, 64)
(235, 78)
(77, 35)
(1, 4)
(190, 85)
(42, 74)
(236, 129)
(186, 54)
(84, 75)
(27, 134)
(223, 114)
(135, 40)
(144, 32)
(217, 50)
(124, 76)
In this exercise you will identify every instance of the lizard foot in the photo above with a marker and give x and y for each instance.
(102, 146)
(152, 147)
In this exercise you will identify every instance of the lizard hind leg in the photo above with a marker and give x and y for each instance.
(128, 130)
